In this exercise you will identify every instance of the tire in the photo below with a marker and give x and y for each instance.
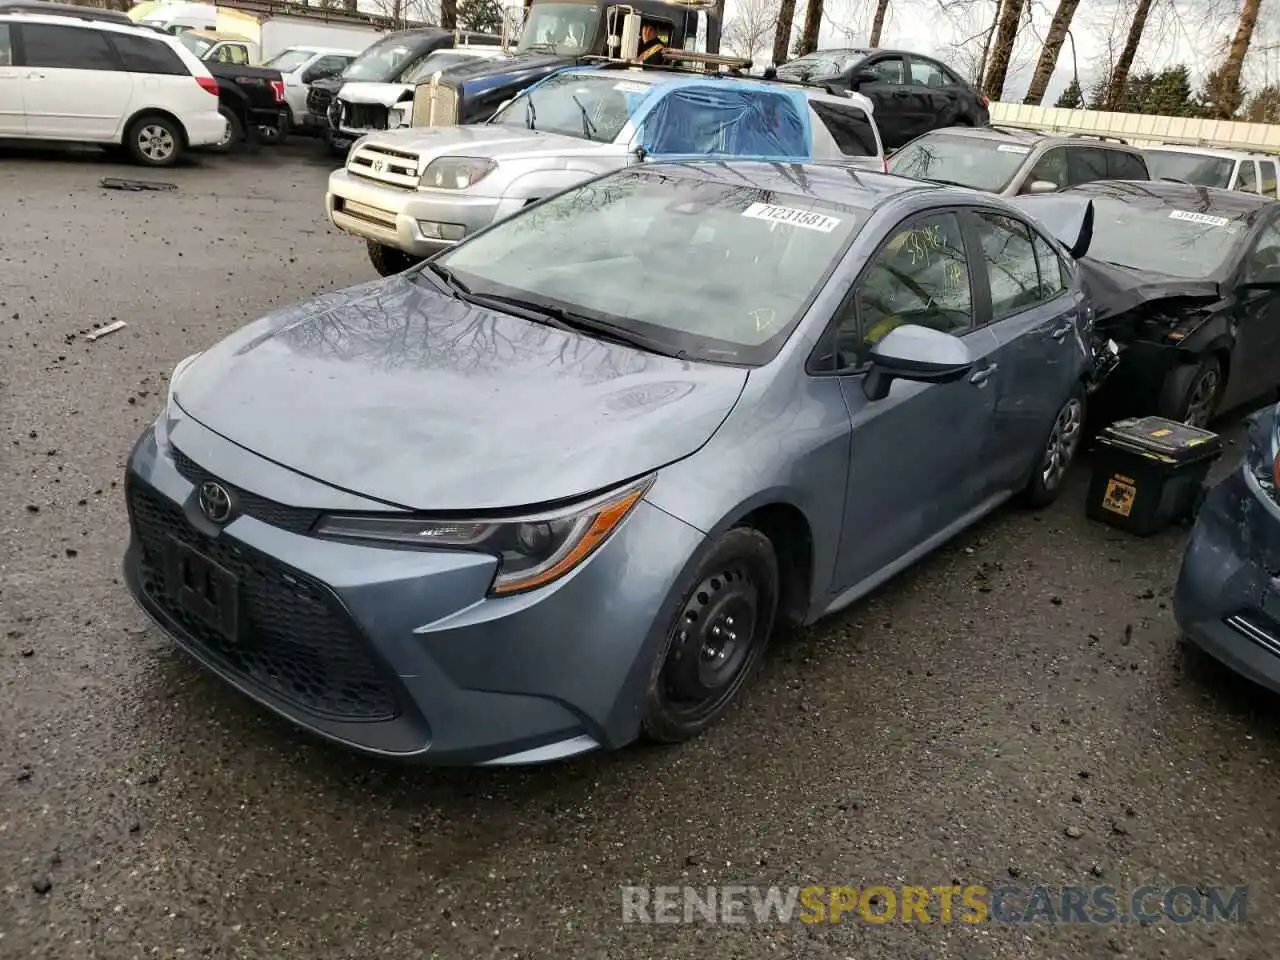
(1191, 393)
(154, 141)
(235, 135)
(704, 660)
(389, 261)
(1058, 453)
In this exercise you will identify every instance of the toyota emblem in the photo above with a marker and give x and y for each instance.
(215, 501)
(379, 166)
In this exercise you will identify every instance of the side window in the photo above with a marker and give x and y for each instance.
(1051, 168)
(6, 46)
(1010, 260)
(1053, 272)
(1270, 175)
(920, 275)
(926, 73)
(330, 66)
(1085, 164)
(889, 70)
(951, 78)
(234, 53)
(70, 48)
(1126, 166)
(849, 127)
(140, 55)
(1266, 252)
(1248, 177)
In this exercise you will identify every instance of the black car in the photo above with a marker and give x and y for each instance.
(912, 94)
(1186, 281)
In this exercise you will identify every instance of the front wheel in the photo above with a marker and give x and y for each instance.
(154, 141)
(1191, 393)
(389, 261)
(1058, 453)
(717, 638)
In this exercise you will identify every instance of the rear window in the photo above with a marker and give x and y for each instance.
(1190, 168)
(287, 61)
(849, 127)
(981, 163)
(142, 55)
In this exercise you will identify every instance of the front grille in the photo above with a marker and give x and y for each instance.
(364, 116)
(396, 168)
(435, 105)
(318, 100)
(293, 519)
(295, 640)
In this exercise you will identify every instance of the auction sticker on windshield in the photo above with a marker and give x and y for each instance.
(1013, 148)
(1199, 218)
(628, 86)
(797, 218)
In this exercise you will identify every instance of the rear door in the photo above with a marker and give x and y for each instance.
(1035, 322)
(74, 86)
(897, 113)
(160, 76)
(1086, 164)
(13, 122)
(1256, 357)
(1123, 165)
(929, 80)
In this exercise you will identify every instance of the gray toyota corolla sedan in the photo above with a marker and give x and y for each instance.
(555, 488)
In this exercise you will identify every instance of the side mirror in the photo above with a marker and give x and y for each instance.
(863, 76)
(309, 76)
(915, 353)
(1042, 186)
(1264, 278)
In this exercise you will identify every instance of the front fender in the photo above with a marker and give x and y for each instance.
(539, 184)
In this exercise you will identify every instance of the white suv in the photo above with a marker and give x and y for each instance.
(93, 76)
(1209, 167)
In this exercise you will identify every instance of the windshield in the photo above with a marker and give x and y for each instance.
(287, 61)
(382, 62)
(197, 45)
(969, 161)
(565, 29)
(1179, 243)
(590, 106)
(826, 63)
(1190, 167)
(718, 271)
(440, 60)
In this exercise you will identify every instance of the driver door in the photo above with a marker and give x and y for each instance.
(916, 464)
(1255, 361)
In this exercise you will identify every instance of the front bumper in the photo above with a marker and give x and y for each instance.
(1227, 599)
(404, 219)
(399, 652)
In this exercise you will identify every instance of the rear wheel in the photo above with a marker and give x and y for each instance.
(716, 640)
(234, 132)
(154, 141)
(389, 261)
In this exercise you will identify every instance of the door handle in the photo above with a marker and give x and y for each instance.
(1061, 333)
(983, 375)
(35, 76)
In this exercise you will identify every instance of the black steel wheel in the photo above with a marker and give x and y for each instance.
(716, 639)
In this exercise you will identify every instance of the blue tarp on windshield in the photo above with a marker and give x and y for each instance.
(725, 118)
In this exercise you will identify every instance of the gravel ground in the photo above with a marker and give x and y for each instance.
(1017, 709)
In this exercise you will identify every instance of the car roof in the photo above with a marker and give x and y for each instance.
(27, 15)
(1209, 152)
(1027, 137)
(1167, 195)
(837, 183)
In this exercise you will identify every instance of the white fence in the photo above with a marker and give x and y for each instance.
(1142, 130)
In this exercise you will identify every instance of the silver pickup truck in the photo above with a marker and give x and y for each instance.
(414, 191)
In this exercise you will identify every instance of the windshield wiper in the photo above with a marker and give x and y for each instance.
(588, 128)
(530, 117)
(948, 183)
(562, 319)
(446, 280)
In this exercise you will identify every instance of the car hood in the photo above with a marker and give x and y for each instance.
(1115, 290)
(386, 94)
(398, 392)
(492, 140)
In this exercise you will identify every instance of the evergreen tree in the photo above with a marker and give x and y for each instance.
(483, 16)
(1072, 98)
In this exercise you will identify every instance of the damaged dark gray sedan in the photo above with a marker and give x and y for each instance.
(554, 488)
(1227, 599)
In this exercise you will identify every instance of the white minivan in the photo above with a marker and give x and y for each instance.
(92, 76)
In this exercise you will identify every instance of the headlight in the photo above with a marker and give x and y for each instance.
(532, 551)
(456, 173)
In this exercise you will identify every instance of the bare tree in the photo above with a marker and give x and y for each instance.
(746, 34)
(877, 23)
(1059, 26)
(782, 35)
(449, 14)
(1002, 48)
(812, 24)
(1120, 74)
(1230, 92)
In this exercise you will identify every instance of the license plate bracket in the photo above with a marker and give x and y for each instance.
(203, 588)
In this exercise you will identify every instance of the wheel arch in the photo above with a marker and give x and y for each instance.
(153, 112)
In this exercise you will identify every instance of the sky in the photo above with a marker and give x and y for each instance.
(1194, 33)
